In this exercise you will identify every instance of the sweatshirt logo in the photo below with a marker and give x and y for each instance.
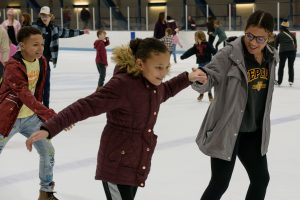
(260, 74)
(259, 85)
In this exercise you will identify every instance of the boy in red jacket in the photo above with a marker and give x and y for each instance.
(101, 57)
(20, 102)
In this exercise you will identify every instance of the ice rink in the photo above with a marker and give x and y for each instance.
(179, 170)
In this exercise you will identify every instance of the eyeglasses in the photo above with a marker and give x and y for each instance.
(258, 39)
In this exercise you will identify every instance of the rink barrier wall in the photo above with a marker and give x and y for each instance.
(117, 38)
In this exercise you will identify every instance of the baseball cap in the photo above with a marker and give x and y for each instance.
(45, 10)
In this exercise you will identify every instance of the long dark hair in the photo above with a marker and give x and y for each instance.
(161, 17)
(261, 19)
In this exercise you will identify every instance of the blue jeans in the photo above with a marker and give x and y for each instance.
(174, 52)
(27, 126)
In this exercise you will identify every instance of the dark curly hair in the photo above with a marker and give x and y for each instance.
(142, 48)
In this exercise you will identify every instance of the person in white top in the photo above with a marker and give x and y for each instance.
(12, 26)
(4, 49)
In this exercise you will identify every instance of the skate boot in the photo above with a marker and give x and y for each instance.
(47, 196)
(210, 97)
(200, 97)
(98, 88)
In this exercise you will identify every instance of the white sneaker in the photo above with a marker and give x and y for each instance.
(291, 84)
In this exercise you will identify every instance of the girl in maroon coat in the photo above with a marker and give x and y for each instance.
(101, 56)
(131, 100)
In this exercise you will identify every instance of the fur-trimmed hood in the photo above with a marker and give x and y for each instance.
(125, 60)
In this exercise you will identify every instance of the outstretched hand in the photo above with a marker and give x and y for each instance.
(69, 128)
(198, 75)
(36, 136)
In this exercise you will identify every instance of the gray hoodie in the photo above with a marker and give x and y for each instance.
(220, 127)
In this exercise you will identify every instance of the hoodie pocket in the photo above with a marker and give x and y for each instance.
(207, 137)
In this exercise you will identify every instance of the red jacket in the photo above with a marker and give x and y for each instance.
(14, 93)
(101, 56)
(127, 141)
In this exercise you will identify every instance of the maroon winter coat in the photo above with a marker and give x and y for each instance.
(127, 141)
(14, 93)
(101, 56)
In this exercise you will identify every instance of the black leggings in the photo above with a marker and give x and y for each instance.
(118, 192)
(283, 56)
(247, 149)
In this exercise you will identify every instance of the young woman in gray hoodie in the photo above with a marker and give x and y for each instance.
(237, 123)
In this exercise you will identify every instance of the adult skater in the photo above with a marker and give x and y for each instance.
(4, 50)
(160, 26)
(287, 51)
(51, 34)
(131, 99)
(12, 26)
(237, 122)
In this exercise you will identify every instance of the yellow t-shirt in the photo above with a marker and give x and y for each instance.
(33, 71)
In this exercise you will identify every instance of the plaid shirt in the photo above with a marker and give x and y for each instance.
(168, 41)
(56, 33)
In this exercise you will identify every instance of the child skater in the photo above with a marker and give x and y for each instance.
(204, 52)
(101, 57)
(168, 39)
(175, 42)
(20, 102)
(131, 99)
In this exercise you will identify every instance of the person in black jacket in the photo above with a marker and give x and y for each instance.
(160, 26)
(287, 51)
(191, 23)
(210, 29)
(85, 16)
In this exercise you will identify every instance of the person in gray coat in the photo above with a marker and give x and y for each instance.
(237, 123)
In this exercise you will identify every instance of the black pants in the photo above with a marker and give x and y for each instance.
(46, 93)
(218, 43)
(248, 151)
(119, 192)
(1, 70)
(211, 39)
(290, 56)
(102, 73)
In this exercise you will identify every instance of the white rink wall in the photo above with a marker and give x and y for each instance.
(123, 37)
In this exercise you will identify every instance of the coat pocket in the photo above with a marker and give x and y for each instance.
(10, 110)
(234, 72)
(125, 152)
(207, 137)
